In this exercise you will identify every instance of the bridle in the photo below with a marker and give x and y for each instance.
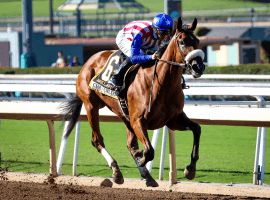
(186, 65)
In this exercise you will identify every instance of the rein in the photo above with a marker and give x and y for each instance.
(173, 63)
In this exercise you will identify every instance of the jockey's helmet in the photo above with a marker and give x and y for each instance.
(163, 24)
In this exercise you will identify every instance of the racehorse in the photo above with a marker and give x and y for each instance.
(167, 101)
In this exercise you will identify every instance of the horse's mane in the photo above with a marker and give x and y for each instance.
(162, 48)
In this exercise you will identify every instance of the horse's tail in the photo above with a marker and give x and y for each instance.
(70, 111)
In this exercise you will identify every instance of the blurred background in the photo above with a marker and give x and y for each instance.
(232, 32)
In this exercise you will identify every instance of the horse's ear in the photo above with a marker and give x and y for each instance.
(179, 24)
(193, 26)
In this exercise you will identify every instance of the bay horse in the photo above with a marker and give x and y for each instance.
(166, 105)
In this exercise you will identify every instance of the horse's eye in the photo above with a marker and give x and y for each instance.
(182, 42)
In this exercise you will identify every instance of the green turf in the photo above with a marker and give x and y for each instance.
(41, 7)
(226, 153)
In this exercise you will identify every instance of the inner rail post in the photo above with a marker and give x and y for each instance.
(52, 148)
(173, 172)
(258, 174)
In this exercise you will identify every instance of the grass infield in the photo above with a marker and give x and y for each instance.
(226, 152)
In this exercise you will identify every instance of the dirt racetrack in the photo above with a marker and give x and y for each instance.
(42, 186)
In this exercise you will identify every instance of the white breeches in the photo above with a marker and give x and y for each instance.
(125, 45)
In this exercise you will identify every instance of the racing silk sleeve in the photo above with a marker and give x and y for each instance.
(136, 53)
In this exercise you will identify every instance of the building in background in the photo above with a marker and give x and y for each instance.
(46, 49)
(234, 45)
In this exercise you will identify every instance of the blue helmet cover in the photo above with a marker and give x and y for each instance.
(163, 22)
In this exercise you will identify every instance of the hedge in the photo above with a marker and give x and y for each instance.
(240, 69)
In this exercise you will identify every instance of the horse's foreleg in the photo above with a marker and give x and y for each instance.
(137, 154)
(97, 142)
(181, 123)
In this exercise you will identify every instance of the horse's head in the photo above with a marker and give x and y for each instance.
(187, 45)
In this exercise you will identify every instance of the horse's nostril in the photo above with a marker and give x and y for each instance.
(195, 66)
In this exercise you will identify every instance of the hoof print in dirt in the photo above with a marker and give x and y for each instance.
(3, 176)
(106, 183)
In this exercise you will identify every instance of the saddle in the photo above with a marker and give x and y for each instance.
(100, 81)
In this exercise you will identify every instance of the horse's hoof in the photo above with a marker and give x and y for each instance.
(118, 177)
(150, 182)
(190, 172)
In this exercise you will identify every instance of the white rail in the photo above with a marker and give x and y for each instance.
(239, 91)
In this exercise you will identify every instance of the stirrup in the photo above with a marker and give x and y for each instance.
(124, 107)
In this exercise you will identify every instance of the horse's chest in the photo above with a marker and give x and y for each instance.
(170, 105)
(161, 115)
(169, 111)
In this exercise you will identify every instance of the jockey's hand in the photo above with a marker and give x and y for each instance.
(155, 56)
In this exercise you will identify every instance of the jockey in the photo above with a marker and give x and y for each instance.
(137, 37)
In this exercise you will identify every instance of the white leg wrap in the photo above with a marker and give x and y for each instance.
(107, 156)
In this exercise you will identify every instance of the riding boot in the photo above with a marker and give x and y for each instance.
(117, 79)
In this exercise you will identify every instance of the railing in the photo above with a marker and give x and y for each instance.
(65, 25)
(247, 19)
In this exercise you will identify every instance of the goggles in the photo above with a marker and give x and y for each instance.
(163, 32)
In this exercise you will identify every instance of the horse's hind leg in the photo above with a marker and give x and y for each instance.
(137, 154)
(182, 123)
(97, 140)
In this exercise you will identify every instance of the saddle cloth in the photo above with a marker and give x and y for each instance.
(100, 81)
